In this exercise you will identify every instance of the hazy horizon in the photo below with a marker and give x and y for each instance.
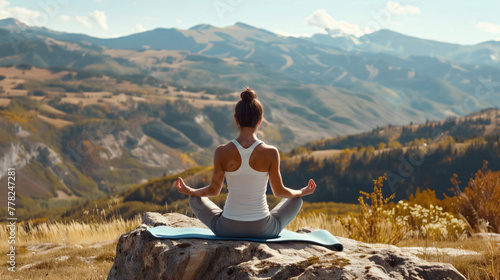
(445, 21)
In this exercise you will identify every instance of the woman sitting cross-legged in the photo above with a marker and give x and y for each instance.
(247, 163)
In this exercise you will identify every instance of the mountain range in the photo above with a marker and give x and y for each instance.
(418, 79)
(311, 88)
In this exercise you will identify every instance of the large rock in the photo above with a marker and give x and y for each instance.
(139, 255)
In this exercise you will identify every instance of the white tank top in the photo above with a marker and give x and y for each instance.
(246, 200)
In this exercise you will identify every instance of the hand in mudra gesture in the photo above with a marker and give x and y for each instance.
(182, 187)
(309, 189)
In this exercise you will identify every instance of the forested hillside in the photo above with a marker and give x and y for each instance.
(426, 162)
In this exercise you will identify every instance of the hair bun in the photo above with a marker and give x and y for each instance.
(248, 95)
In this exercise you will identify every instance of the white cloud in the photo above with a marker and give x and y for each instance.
(284, 33)
(413, 10)
(178, 20)
(64, 17)
(23, 13)
(3, 4)
(139, 28)
(320, 18)
(20, 13)
(491, 28)
(3, 11)
(396, 9)
(84, 21)
(100, 18)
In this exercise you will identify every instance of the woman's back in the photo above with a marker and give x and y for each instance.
(248, 165)
(247, 186)
(260, 158)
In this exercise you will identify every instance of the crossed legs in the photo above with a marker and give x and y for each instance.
(204, 209)
(286, 210)
(207, 211)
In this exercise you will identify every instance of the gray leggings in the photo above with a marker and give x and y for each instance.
(269, 227)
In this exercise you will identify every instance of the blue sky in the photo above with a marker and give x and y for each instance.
(459, 21)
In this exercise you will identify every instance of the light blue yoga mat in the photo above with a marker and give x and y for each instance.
(318, 237)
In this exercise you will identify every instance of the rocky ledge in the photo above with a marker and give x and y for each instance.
(139, 255)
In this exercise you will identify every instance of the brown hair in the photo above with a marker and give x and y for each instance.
(248, 110)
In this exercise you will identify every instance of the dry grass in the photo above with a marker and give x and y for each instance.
(86, 251)
(319, 221)
(63, 262)
(370, 223)
(50, 109)
(58, 250)
(486, 265)
(91, 98)
(78, 250)
(193, 98)
(58, 123)
(15, 92)
(320, 154)
(34, 73)
(4, 102)
(68, 233)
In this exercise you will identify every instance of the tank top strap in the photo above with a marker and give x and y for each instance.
(245, 153)
(250, 149)
(238, 146)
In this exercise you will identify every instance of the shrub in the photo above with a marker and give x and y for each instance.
(38, 92)
(24, 66)
(84, 74)
(428, 222)
(480, 200)
(67, 77)
(394, 145)
(427, 197)
(19, 86)
(299, 151)
(372, 224)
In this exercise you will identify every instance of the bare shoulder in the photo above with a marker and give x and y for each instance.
(268, 150)
(224, 148)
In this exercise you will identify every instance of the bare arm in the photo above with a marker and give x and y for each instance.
(279, 190)
(215, 185)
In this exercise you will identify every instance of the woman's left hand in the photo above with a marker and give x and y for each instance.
(181, 186)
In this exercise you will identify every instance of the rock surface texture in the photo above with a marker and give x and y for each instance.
(139, 255)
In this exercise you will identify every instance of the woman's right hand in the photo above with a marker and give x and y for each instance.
(309, 189)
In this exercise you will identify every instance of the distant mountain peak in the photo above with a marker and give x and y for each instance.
(161, 29)
(201, 27)
(244, 25)
(387, 32)
(12, 23)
